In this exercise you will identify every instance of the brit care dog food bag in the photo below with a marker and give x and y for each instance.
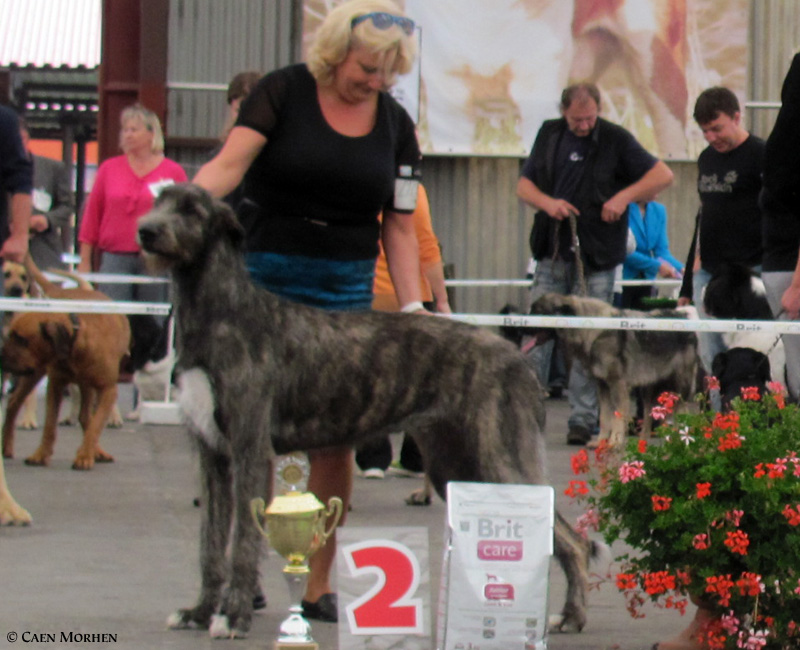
(493, 593)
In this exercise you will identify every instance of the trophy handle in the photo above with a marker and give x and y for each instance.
(335, 509)
(258, 507)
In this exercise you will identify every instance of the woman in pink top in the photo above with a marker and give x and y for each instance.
(123, 191)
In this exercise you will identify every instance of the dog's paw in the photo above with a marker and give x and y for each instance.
(83, 462)
(13, 514)
(68, 421)
(38, 459)
(115, 420)
(220, 628)
(28, 424)
(101, 456)
(133, 416)
(571, 619)
(184, 619)
(419, 497)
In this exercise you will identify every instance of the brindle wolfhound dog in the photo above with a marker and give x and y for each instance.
(260, 376)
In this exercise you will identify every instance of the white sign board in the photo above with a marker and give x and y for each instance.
(383, 581)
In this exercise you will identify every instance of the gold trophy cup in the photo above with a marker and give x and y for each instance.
(295, 528)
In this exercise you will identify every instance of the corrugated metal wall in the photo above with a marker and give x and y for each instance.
(482, 227)
(209, 42)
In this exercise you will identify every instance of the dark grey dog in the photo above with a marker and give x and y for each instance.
(260, 375)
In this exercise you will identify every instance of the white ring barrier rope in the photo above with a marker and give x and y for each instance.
(85, 306)
(527, 283)
(108, 278)
(640, 324)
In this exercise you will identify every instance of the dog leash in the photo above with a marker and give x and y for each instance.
(576, 248)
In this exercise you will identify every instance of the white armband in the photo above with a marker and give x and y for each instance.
(411, 307)
(405, 194)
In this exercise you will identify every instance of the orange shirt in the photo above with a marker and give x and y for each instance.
(429, 254)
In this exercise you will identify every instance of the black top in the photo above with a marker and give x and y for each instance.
(781, 193)
(16, 170)
(730, 221)
(587, 172)
(313, 191)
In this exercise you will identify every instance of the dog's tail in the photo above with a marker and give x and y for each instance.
(51, 289)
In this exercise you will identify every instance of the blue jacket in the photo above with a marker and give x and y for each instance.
(652, 244)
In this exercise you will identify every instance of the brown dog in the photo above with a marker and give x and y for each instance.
(17, 284)
(85, 349)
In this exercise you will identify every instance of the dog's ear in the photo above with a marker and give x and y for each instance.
(227, 225)
(59, 338)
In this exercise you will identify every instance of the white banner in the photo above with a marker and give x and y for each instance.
(493, 70)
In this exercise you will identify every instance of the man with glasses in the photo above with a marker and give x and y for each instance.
(582, 173)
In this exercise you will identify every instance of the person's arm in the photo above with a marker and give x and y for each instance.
(402, 256)
(15, 247)
(86, 253)
(656, 179)
(533, 196)
(225, 171)
(661, 244)
(790, 301)
(434, 274)
(63, 202)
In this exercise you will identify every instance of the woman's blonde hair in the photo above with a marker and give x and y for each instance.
(150, 121)
(336, 37)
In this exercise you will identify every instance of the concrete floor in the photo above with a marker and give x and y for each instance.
(115, 550)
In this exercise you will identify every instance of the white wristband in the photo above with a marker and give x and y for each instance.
(412, 307)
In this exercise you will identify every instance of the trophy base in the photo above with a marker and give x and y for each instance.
(285, 645)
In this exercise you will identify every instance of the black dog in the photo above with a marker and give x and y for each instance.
(735, 292)
(740, 368)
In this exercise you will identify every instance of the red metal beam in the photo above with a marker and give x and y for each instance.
(134, 65)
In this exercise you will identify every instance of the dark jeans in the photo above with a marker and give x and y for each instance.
(377, 452)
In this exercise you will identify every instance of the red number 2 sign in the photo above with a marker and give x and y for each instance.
(388, 606)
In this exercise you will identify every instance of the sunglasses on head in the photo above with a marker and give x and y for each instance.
(382, 20)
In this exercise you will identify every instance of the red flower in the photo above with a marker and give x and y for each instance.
(703, 490)
(659, 582)
(720, 585)
(792, 514)
(759, 471)
(668, 401)
(701, 542)
(712, 383)
(626, 581)
(661, 503)
(737, 541)
(730, 441)
(580, 462)
(642, 446)
(750, 584)
(576, 488)
(750, 393)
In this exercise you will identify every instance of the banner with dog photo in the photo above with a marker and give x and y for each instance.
(492, 70)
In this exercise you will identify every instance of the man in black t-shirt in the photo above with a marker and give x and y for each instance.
(592, 168)
(729, 223)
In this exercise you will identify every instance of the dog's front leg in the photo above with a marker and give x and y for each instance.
(573, 553)
(614, 402)
(217, 502)
(42, 455)
(90, 452)
(25, 385)
(251, 478)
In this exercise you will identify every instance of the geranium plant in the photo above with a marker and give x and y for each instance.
(711, 511)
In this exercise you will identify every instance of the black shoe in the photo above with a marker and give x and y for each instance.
(325, 609)
(555, 392)
(578, 435)
(259, 601)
